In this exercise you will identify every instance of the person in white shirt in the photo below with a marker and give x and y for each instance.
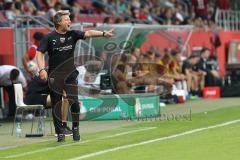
(8, 76)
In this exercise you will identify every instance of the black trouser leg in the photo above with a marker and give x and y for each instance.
(75, 110)
(56, 104)
(72, 95)
(56, 85)
(12, 103)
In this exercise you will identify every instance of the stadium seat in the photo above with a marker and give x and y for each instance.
(18, 92)
(93, 18)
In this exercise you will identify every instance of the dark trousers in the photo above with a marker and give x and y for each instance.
(57, 84)
(210, 80)
(12, 103)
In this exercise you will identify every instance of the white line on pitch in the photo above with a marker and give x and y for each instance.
(8, 147)
(81, 142)
(154, 140)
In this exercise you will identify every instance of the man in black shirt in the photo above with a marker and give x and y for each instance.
(60, 45)
(210, 67)
(194, 78)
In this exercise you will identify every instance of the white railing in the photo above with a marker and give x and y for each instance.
(229, 20)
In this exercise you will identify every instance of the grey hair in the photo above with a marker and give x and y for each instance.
(58, 16)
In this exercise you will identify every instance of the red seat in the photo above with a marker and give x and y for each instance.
(93, 18)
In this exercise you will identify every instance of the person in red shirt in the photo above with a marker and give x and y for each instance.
(200, 7)
(223, 4)
(30, 55)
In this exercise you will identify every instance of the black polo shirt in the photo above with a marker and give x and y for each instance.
(60, 47)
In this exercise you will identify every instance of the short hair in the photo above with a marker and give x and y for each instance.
(93, 66)
(38, 36)
(193, 56)
(58, 16)
(150, 53)
(203, 50)
(121, 68)
(124, 57)
(14, 74)
(175, 52)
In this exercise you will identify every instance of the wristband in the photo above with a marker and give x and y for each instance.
(103, 33)
(41, 70)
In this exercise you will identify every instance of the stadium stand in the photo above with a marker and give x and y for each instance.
(171, 12)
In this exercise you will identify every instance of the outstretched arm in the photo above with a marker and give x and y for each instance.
(95, 33)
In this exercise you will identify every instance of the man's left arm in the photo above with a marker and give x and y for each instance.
(95, 33)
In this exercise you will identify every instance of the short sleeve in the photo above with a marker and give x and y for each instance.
(79, 35)
(43, 47)
(31, 52)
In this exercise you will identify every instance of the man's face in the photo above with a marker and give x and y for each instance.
(206, 54)
(178, 57)
(137, 51)
(65, 23)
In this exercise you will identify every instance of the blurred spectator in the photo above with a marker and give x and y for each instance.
(166, 62)
(135, 4)
(135, 55)
(8, 76)
(74, 8)
(176, 66)
(85, 10)
(52, 10)
(209, 67)
(148, 75)
(180, 15)
(223, 4)
(123, 7)
(120, 75)
(49, 3)
(200, 7)
(193, 82)
(170, 12)
(104, 6)
(29, 7)
(118, 20)
(179, 78)
(10, 10)
(169, 16)
(99, 6)
(107, 20)
(37, 4)
(1, 5)
(30, 55)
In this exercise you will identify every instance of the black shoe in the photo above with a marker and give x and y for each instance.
(76, 135)
(67, 131)
(61, 138)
